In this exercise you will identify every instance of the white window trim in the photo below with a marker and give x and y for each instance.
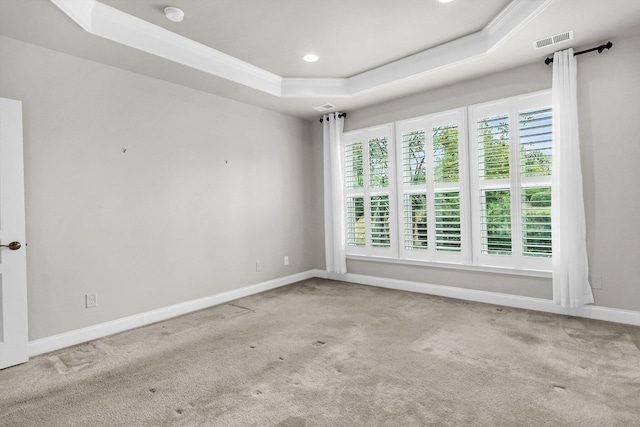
(470, 258)
(363, 136)
(427, 123)
(512, 106)
(528, 272)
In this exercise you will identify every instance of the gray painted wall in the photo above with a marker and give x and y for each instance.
(608, 92)
(206, 188)
(209, 186)
(609, 98)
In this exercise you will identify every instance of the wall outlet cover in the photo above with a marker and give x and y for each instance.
(91, 300)
(596, 282)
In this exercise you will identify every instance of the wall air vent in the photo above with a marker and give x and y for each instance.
(551, 40)
(324, 107)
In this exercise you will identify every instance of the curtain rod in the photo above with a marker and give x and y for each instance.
(341, 115)
(600, 48)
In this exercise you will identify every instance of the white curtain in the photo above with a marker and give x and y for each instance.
(570, 264)
(334, 214)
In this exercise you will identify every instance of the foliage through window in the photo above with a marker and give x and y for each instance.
(368, 192)
(469, 186)
(429, 157)
(511, 185)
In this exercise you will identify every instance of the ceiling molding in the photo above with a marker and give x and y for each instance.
(304, 87)
(113, 24)
(510, 20)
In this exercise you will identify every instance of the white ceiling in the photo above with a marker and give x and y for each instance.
(352, 38)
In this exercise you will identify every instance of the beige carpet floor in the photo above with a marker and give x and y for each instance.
(325, 353)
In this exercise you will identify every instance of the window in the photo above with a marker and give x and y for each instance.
(369, 182)
(432, 208)
(511, 182)
(470, 186)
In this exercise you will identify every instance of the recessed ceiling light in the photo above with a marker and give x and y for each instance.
(174, 14)
(445, 1)
(310, 57)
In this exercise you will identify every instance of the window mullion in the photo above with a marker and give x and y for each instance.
(366, 191)
(466, 201)
(392, 188)
(473, 181)
(430, 189)
(399, 191)
(516, 186)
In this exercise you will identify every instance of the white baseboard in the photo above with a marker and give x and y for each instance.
(537, 304)
(78, 336)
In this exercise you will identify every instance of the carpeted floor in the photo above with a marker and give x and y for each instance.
(325, 353)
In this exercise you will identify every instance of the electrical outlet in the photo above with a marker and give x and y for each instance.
(91, 300)
(596, 282)
(286, 260)
(258, 267)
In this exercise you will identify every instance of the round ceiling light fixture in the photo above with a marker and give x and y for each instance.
(310, 57)
(174, 14)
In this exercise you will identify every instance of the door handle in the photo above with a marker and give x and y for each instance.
(14, 246)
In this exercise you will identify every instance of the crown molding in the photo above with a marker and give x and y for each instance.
(301, 87)
(115, 25)
(80, 12)
(510, 20)
(112, 24)
(447, 55)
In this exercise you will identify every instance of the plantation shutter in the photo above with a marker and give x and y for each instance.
(511, 163)
(494, 173)
(535, 169)
(422, 191)
(432, 211)
(354, 178)
(378, 153)
(368, 201)
(446, 181)
(414, 190)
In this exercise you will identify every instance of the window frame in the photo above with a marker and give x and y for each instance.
(515, 183)
(469, 186)
(364, 136)
(427, 124)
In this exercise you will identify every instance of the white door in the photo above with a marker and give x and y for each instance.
(13, 257)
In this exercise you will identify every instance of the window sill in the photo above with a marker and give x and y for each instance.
(454, 266)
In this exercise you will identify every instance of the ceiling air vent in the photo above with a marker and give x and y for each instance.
(551, 40)
(324, 107)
